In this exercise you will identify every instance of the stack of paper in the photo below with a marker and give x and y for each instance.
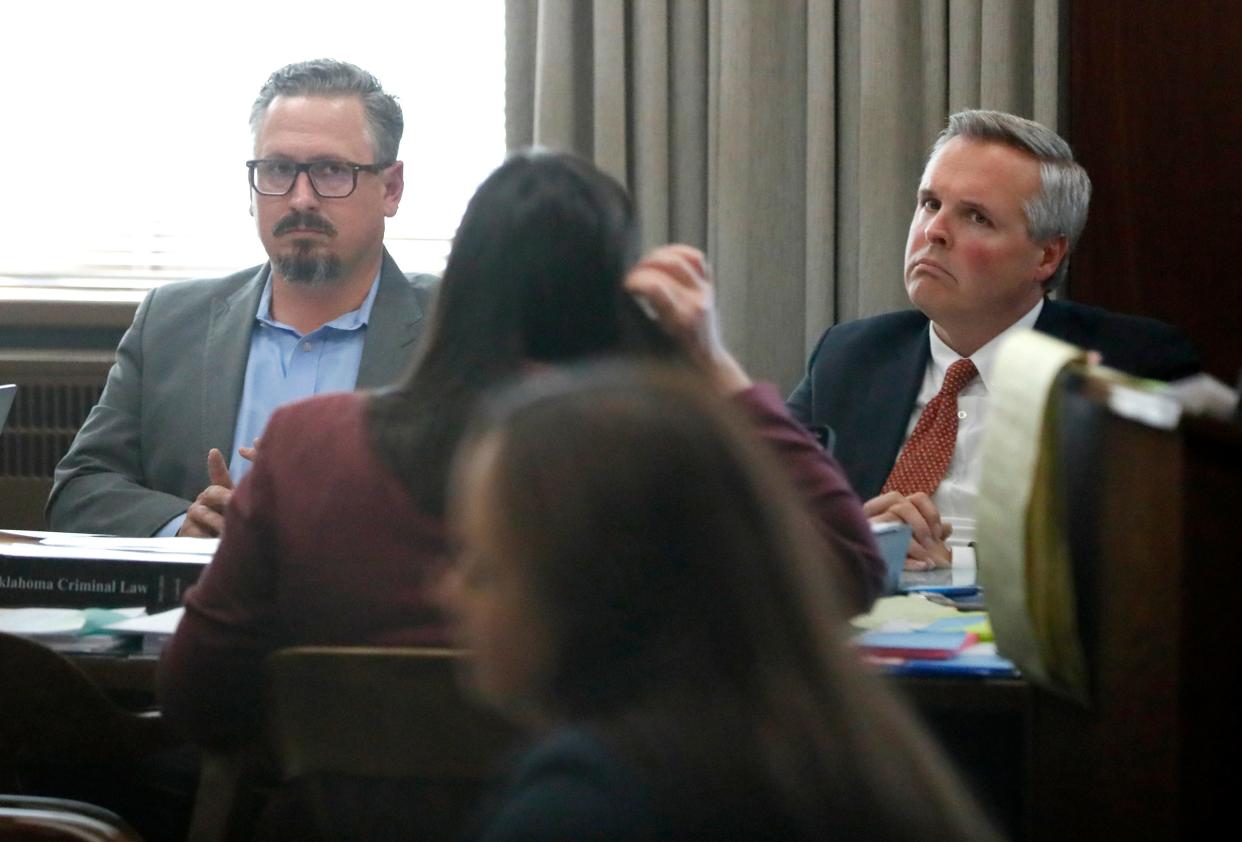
(70, 630)
(912, 635)
(155, 630)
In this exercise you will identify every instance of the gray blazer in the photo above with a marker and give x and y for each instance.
(141, 457)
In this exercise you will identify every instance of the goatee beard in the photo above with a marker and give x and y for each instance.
(309, 269)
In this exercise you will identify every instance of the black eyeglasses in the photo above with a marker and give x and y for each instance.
(329, 179)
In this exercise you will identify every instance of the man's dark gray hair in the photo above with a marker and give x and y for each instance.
(331, 78)
(1060, 208)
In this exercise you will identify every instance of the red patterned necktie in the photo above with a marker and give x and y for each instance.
(925, 457)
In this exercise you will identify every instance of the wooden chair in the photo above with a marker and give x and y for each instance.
(1152, 523)
(380, 741)
(232, 789)
(26, 819)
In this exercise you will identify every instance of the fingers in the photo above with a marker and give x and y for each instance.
(919, 557)
(917, 510)
(201, 522)
(927, 550)
(674, 285)
(205, 517)
(651, 288)
(249, 453)
(931, 515)
(680, 306)
(694, 256)
(675, 281)
(217, 469)
(907, 512)
(878, 506)
(918, 565)
(684, 263)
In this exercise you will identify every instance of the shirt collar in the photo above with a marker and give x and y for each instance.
(943, 356)
(352, 320)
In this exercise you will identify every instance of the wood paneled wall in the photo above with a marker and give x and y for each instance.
(1155, 115)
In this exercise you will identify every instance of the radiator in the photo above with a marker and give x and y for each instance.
(55, 391)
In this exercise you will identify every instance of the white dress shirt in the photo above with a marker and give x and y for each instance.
(955, 497)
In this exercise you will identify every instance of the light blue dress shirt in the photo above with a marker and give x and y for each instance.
(285, 365)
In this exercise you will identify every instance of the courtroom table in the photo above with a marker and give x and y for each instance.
(135, 674)
(983, 724)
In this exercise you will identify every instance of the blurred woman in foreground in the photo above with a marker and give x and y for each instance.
(638, 581)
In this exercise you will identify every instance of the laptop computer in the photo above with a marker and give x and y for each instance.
(7, 393)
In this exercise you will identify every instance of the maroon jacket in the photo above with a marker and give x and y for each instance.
(324, 546)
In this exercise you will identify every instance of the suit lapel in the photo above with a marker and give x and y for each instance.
(395, 324)
(224, 362)
(887, 399)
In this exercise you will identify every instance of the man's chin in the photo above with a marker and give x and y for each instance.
(928, 294)
(917, 286)
(308, 268)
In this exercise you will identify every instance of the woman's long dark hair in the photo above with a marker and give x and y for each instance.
(534, 276)
(693, 622)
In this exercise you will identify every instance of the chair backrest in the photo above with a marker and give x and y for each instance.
(375, 743)
(1152, 519)
(378, 712)
(52, 713)
(28, 818)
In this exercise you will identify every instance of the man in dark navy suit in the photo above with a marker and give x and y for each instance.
(1000, 206)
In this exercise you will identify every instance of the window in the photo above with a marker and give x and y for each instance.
(122, 156)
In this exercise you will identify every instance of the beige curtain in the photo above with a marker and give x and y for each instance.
(785, 137)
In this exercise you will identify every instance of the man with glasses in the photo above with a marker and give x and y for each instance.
(206, 362)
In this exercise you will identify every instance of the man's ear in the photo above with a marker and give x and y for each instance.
(1051, 253)
(394, 187)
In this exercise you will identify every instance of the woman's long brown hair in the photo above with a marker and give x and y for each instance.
(693, 620)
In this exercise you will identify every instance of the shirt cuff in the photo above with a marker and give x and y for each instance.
(171, 528)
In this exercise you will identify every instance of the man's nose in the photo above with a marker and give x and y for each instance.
(936, 230)
(302, 195)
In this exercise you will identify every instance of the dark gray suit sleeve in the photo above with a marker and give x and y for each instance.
(100, 485)
(801, 401)
(1169, 356)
